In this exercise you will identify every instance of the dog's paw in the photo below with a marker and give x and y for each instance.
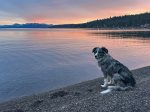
(104, 86)
(106, 91)
(109, 82)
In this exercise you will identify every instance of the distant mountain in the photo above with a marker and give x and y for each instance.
(127, 21)
(27, 25)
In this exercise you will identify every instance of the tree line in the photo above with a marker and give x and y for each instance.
(126, 21)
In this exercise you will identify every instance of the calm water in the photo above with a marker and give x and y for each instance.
(37, 60)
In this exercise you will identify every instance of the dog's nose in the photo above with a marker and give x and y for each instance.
(96, 56)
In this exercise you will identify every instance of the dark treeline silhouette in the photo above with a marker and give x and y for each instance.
(127, 21)
(27, 25)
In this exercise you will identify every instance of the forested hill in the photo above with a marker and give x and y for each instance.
(127, 21)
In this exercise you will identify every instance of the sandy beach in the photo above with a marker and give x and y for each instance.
(86, 97)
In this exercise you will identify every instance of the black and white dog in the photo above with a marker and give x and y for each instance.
(114, 72)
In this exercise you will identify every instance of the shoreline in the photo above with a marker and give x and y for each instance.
(91, 28)
(86, 97)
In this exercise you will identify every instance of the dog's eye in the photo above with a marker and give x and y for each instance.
(95, 52)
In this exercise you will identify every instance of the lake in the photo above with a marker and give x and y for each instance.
(38, 60)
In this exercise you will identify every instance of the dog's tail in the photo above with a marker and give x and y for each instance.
(133, 82)
(124, 88)
(119, 88)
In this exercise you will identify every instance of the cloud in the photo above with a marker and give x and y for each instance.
(68, 11)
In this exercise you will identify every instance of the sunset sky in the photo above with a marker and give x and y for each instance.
(67, 11)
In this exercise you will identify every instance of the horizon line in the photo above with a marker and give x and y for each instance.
(76, 23)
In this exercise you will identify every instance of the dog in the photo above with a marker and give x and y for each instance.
(115, 73)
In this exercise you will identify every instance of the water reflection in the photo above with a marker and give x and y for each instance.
(37, 60)
(141, 34)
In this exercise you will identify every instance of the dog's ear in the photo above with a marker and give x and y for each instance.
(94, 49)
(104, 49)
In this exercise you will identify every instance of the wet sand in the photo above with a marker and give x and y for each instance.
(86, 97)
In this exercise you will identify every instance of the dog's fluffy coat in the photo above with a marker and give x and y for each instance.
(114, 72)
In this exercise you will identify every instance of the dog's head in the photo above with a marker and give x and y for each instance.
(99, 52)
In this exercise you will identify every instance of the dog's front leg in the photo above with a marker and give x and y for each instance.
(109, 80)
(105, 82)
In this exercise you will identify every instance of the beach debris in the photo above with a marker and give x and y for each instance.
(15, 110)
(90, 90)
(37, 103)
(59, 94)
(77, 94)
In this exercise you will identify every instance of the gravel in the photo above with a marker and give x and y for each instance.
(86, 97)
